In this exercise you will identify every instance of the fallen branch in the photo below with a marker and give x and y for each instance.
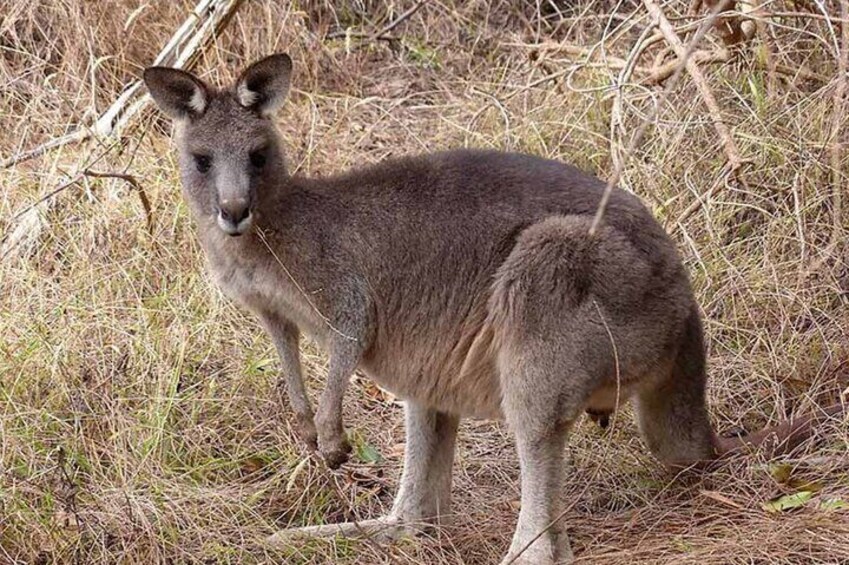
(731, 151)
(660, 73)
(587, 53)
(684, 57)
(801, 72)
(133, 182)
(205, 22)
(28, 221)
(347, 33)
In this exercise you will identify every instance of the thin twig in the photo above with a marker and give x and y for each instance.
(616, 121)
(183, 48)
(650, 116)
(700, 201)
(61, 188)
(12, 241)
(656, 74)
(731, 151)
(346, 33)
(659, 74)
(132, 181)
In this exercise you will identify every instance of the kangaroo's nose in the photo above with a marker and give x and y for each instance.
(235, 210)
(234, 215)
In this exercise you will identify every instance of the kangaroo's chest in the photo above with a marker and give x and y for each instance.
(242, 280)
(262, 287)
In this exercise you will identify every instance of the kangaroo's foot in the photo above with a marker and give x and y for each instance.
(600, 417)
(383, 529)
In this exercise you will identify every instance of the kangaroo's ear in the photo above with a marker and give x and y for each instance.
(177, 93)
(263, 86)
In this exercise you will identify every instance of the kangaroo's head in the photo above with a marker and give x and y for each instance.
(229, 149)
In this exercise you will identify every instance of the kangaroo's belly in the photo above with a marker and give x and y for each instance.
(470, 398)
(450, 372)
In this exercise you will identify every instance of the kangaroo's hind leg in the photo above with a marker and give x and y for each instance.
(540, 411)
(424, 497)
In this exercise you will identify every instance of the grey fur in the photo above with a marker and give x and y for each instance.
(463, 281)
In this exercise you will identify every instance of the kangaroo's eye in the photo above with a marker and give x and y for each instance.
(203, 162)
(258, 158)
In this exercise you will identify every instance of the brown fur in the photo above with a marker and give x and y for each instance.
(463, 281)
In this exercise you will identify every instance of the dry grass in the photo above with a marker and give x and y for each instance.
(138, 421)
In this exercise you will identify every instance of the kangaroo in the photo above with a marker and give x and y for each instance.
(465, 282)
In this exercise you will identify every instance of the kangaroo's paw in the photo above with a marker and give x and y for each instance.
(306, 432)
(335, 452)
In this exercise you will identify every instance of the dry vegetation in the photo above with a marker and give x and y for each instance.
(138, 419)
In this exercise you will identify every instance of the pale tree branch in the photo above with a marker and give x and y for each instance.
(684, 57)
(183, 48)
(692, 66)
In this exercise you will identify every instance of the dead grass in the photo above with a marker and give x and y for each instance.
(138, 421)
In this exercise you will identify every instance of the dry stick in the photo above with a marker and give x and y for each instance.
(576, 51)
(61, 188)
(701, 82)
(386, 29)
(777, 14)
(624, 76)
(13, 241)
(659, 74)
(692, 208)
(800, 71)
(14, 238)
(207, 19)
(684, 57)
(132, 181)
(835, 146)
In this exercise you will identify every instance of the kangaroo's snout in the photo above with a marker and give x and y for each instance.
(234, 216)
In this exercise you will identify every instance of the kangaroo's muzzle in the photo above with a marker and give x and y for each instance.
(235, 216)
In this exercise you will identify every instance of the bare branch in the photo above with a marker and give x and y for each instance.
(132, 181)
(698, 77)
(205, 22)
(652, 113)
(384, 31)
